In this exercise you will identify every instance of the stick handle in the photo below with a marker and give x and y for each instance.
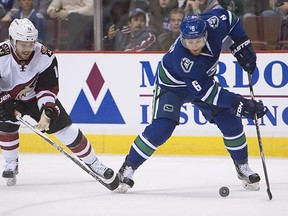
(260, 140)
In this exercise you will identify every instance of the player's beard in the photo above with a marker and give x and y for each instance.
(23, 55)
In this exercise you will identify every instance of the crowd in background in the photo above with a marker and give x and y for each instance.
(129, 25)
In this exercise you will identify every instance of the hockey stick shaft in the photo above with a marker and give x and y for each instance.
(260, 140)
(60, 149)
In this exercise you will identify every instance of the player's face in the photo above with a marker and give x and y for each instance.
(23, 49)
(195, 45)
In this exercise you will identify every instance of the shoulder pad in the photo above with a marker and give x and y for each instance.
(46, 51)
(4, 49)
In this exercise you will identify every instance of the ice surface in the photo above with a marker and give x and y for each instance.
(52, 185)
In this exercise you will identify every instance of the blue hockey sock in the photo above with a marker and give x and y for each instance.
(237, 147)
(146, 144)
(140, 151)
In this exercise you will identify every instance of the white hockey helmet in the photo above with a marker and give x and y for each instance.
(23, 30)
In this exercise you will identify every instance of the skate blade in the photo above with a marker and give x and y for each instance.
(11, 181)
(251, 186)
(123, 188)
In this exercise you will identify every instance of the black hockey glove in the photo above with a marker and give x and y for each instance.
(49, 113)
(7, 107)
(248, 108)
(245, 54)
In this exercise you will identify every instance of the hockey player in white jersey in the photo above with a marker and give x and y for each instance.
(29, 84)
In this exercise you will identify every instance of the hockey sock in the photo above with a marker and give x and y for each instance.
(237, 147)
(9, 142)
(233, 135)
(73, 138)
(145, 144)
(140, 151)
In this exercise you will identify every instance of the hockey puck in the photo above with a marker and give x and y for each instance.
(224, 191)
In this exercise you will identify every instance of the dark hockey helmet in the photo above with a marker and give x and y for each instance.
(192, 27)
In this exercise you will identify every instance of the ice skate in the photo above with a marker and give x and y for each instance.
(10, 172)
(101, 170)
(250, 179)
(125, 177)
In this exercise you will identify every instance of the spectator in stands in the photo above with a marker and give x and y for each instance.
(235, 6)
(40, 5)
(78, 15)
(9, 13)
(263, 8)
(136, 38)
(158, 15)
(281, 7)
(143, 4)
(26, 10)
(115, 12)
(199, 6)
(5, 6)
(191, 6)
(259, 8)
(166, 39)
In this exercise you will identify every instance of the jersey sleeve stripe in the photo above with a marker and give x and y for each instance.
(207, 97)
(166, 79)
(233, 20)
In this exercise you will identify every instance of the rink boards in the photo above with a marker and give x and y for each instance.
(108, 95)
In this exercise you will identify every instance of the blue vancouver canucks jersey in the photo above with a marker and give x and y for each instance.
(180, 69)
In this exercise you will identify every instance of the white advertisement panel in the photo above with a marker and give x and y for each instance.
(111, 93)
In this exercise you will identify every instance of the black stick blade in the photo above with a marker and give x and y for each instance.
(269, 194)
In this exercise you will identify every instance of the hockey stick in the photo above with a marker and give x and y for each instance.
(260, 140)
(111, 185)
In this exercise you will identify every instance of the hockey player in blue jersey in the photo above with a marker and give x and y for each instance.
(186, 76)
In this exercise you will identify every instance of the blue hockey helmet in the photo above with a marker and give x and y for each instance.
(193, 27)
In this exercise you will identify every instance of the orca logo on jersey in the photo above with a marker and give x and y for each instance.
(213, 22)
(186, 64)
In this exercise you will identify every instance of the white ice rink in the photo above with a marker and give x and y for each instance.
(52, 185)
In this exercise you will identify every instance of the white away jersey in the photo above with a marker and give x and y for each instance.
(37, 76)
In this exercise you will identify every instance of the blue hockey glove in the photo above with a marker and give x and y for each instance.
(245, 54)
(248, 108)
